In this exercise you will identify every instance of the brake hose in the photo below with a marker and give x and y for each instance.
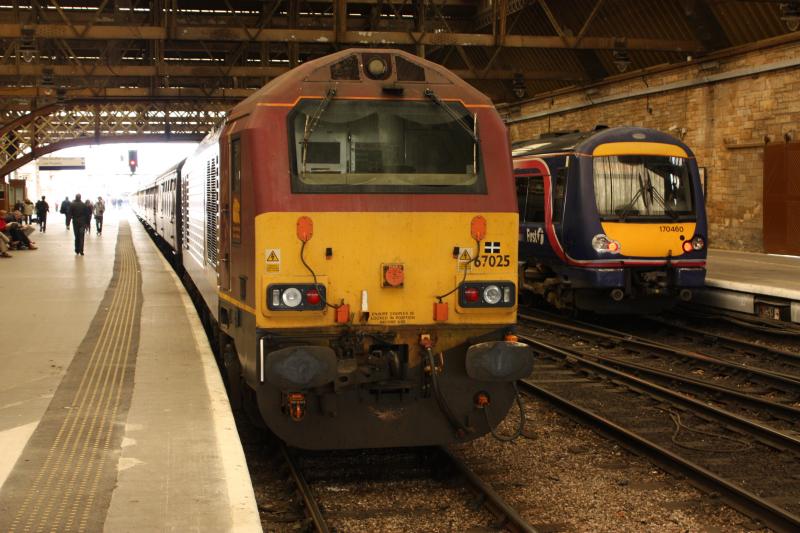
(461, 429)
(522, 420)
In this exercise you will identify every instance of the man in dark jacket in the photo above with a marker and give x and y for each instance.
(65, 210)
(42, 207)
(81, 217)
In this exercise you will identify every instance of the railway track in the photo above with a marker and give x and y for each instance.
(752, 466)
(775, 393)
(394, 465)
(725, 346)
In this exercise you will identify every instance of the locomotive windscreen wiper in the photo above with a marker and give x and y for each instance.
(455, 116)
(312, 122)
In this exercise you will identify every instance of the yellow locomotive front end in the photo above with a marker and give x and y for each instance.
(386, 328)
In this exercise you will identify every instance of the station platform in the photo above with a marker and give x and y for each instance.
(760, 284)
(113, 415)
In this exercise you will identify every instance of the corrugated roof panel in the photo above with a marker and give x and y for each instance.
(746, 22)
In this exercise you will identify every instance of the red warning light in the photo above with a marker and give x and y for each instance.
(471, 294)
(133, 161)
(312, 297)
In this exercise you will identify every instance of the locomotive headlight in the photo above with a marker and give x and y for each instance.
(377, 67)
(291, 297)
(698, 243)
(492, 294)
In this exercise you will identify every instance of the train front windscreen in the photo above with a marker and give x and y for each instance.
(362, 146)
(643, 187)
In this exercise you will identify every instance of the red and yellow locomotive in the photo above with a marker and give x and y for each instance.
(367, 254)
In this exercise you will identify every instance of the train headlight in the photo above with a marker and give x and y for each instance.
(601, 243)
(291, 297)
(698, 243)
(492, 294)
(487, 294)
(377, 67)
(296, 297)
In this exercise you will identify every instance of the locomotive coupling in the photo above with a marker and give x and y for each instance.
(499, 361)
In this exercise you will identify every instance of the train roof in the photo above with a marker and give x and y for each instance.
(347, 70)
(584, 142)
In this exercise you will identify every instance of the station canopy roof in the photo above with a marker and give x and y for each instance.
(210, 49)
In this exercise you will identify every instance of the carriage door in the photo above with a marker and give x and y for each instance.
(782, 198)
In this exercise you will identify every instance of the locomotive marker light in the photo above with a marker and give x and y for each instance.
(305, 229)
(698, 243)
(477, 228)
(313, 296)
(601, 243)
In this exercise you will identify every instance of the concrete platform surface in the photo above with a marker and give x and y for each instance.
(771, 275)
(178, 465)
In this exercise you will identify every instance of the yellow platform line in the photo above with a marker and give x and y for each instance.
(98, 386)
(113, 344)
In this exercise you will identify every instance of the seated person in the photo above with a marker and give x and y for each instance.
(19, 218)
(13, 231)
(5, 241)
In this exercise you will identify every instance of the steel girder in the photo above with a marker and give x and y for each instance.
(100, 121)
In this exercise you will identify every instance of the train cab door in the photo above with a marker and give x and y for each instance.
(230, 209)
(531, 200)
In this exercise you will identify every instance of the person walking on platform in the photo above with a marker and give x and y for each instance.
(99, 209)
(42, 208)
(89, 210)
(81, 216)
(27, 211)
(65, 210)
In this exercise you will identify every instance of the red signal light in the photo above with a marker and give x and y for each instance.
(312, 297)
(471, 294)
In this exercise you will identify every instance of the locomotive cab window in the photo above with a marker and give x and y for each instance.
(354, 146)
(643, 186)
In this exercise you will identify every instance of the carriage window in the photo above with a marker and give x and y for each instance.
(559, 193)
(530, 195)
(636, 186)
(347, 146)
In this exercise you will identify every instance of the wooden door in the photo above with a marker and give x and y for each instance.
(782, 198)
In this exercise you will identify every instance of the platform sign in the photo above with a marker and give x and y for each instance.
(61, 163)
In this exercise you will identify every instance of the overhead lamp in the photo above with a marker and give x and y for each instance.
(27, 45)
(790, 15)
(518, 86)
(47, 77)
(621, 58)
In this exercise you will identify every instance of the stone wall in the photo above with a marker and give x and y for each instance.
(724, 122)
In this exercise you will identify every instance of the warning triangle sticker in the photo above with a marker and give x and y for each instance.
(273, 258)
(465, 256)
